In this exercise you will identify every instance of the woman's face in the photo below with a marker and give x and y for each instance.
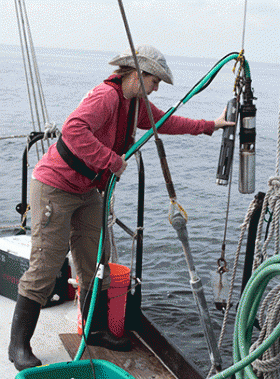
(151, 84)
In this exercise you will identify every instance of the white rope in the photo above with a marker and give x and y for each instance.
(175, 206)
(278, 147)
(269, 316)
(36, 70)
(268, 366)
(52, 130)
(13, 136)
(22, 36)
(244, 227)
(244, 24)
(271, 200)
(8, 227)
(36, 97)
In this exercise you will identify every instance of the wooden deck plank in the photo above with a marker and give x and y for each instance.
(140, 362)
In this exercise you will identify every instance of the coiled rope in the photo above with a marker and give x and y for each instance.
(269, 315)
(246, 315)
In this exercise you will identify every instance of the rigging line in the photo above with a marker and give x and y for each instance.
(21, 34)
(14, 136)
(29, 62)
(244, 24)
(159, 143)
(36, 70)
(33, 56)
(151, 118)
(41, 99)
(278, 146)
(24, 60)
(236, 119)
(36, 85)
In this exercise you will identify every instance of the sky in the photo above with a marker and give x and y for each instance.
(191, 28)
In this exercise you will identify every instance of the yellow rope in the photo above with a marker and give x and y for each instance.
(174, 204)
(240, 59)
(24, 216)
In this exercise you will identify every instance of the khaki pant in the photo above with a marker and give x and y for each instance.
(58, 220)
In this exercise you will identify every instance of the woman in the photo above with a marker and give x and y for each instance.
(66, 186)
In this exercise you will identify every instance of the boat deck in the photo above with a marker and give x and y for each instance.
(45, 343)
(140, 362)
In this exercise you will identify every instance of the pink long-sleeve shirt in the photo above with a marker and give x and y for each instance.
(90, 132)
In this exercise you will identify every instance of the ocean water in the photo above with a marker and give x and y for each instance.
(66, 77)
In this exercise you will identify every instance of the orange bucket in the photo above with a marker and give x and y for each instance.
(79, 315)
(117, 295)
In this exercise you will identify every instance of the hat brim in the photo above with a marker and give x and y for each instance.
(146, 64)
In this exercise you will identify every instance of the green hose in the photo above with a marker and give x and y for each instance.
(107, 199)
(195, 90)
(246, 315)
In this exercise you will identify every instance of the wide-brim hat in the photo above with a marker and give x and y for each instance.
(149, 59)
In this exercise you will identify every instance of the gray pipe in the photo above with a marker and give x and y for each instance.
(179, 224)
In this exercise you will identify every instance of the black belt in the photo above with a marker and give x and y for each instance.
(74, 162)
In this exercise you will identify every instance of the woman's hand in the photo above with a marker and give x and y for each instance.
(121, 170)
(220, 122)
